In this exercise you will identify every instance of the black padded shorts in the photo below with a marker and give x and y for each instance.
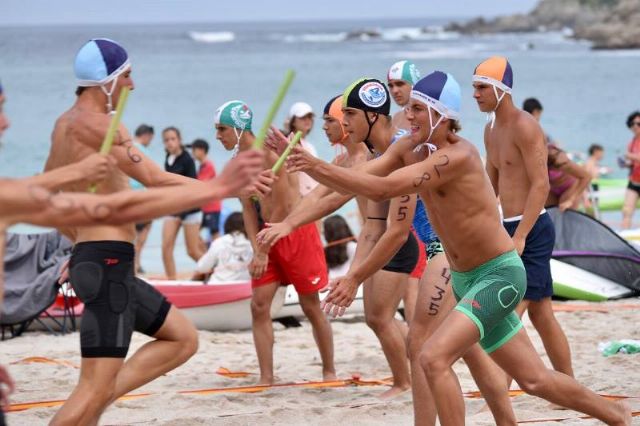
(406, 258)
(116, 303)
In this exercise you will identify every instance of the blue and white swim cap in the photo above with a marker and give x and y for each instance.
(441, 92)
(100, 61)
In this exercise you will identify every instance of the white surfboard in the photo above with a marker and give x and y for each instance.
(632, 236)
(292, 308)
(572, 282)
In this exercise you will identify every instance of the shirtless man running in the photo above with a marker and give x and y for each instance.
(116, 303)
(387, 252)
(489, 279)
(30, 200)
(297, 260)
(434, 297)
(517, 167)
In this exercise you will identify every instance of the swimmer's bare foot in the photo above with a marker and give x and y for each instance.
(329, 376)
(265, 381)
(624, 411)
(394, 392)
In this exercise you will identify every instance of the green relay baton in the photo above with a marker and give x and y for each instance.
(113, 127)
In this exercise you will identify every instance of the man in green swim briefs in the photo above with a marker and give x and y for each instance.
(489, 279)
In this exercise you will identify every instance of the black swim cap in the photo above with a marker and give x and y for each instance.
(367, 94)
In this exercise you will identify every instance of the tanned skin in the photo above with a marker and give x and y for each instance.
(274, 207)
(30, 200)
(434, 299)
(385, 230)
(458, 195)
(517, 166)
(78, 133)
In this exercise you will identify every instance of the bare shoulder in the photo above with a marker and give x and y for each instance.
(461, 149)
(400, 149)
(460, 156)
(529, 130)
(88, 128)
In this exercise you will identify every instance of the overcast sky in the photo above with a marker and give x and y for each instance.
(38, 12)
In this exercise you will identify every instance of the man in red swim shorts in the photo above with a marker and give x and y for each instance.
(297, 259)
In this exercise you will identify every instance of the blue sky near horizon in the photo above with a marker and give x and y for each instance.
(60, 12)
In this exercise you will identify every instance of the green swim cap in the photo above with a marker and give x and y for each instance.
(367, 94)
(404, 70)
(235, 114)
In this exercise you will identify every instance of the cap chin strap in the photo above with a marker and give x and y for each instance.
(113, 78)
(109, 94)
(370, 123)
(236, 148)
(492, 115)
(431, 147)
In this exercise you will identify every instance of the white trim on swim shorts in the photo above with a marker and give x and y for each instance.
(519, 217)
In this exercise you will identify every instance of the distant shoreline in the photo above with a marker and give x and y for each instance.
(607, 24)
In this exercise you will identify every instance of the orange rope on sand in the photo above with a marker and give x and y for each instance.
(58, 402)
(354, 381)
(232, 374)
(44, 360)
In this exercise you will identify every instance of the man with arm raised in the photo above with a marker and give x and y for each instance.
(488, 277)
(101, 265)
(30, 200)
(387, 252)
(298, 259)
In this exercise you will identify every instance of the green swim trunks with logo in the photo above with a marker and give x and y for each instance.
(489, 294)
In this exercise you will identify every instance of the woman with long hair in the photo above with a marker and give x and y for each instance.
(341, 245)
(180, 162)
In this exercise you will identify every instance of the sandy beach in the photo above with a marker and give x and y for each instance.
(297, 360)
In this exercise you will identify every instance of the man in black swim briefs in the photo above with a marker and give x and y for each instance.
(29, 200)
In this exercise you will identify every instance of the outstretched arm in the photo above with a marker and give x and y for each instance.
(400, 217)
(76, 209)
(301, 161)
(320, 202)
(432, 172)
(93, 168)
(25, 202)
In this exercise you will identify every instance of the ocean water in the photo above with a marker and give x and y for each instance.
(184, 72)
